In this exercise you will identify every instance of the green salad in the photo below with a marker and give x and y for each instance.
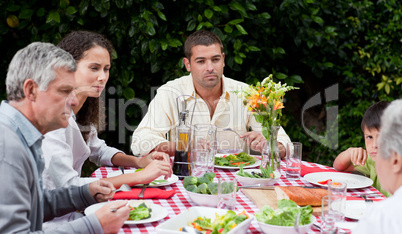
(285, 215)
(222, 224)
(235, 160)
(139, 212)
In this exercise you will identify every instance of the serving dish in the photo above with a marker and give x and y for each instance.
(173, 225)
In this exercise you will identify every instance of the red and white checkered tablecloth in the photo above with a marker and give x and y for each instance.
(181, 202)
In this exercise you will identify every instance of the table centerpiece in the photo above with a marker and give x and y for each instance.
(265, 100)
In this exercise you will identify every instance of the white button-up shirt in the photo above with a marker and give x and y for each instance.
(159, 123)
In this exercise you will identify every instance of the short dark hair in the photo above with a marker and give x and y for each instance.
(372, 116)
(200, 37)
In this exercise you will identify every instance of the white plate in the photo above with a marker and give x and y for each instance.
(173, 179)
(353, 181)
(262, 181)
(174, 224)
(158, 213)
(355, 209)
(256, 164)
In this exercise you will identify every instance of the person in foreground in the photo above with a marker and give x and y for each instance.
(363, 160)
(39, 83)
(385, 216)
(66, 150)
(217, 104)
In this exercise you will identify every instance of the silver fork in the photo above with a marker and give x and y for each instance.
(366, 199)
(123, 188)
(141, 195)
(296, 226)
(229, 129)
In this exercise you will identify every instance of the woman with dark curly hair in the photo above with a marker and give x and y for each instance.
(65, 150)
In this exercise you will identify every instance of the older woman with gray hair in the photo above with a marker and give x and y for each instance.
(385, 216)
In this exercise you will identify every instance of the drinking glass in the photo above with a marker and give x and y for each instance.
(328, 217)
(337, 190)
(293, 160)
(203, 149)
(227, 189)
(229, 142)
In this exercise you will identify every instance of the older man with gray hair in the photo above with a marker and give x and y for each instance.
(40, 83)
(385, 216)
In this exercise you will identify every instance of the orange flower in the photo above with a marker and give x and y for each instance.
(278, 105)
(253, 101)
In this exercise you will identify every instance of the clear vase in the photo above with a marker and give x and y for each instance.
(271, 158)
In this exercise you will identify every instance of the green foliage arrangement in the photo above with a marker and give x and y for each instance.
(311, 44)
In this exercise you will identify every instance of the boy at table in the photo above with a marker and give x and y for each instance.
(216, 102)
(385, 216)
(357, 159)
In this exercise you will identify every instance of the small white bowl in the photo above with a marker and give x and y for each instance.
(203, 199)
(250, 181)
(174, 224)
(268, 228)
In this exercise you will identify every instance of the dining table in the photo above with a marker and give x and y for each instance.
(181, 202)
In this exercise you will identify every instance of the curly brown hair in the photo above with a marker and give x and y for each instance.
(93, 110)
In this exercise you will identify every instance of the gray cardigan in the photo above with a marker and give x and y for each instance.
(24, 205)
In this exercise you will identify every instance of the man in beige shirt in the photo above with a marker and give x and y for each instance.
(216, 103)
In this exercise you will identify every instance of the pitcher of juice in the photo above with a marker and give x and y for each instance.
(185, 106)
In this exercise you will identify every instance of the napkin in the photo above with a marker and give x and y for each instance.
(306, 170)
(148, 194)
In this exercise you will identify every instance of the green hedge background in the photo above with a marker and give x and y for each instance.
(312, 44)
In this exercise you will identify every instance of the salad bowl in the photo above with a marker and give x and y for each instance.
(268, 228)
(243, 180)
(174, 224)
(204, 199)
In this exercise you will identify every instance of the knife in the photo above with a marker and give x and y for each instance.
(259, 186)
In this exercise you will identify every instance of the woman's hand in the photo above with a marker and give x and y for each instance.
(155, 155)
(155, 169)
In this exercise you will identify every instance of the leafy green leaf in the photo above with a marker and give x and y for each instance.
(208, 13)
(129, 93)
(216, 8)
(149, 29)
(279, 50)
(280, 75)
(26, 13)
(254, 48)
(71, 10)
(162, 16)
(237, 44)
(228, 29)
(164, 45)
(235, 21)
(119, 3)
(191, 25)
(238, 59)
(241, 29)
(318, 19)
(53, 16)
(265, 15)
